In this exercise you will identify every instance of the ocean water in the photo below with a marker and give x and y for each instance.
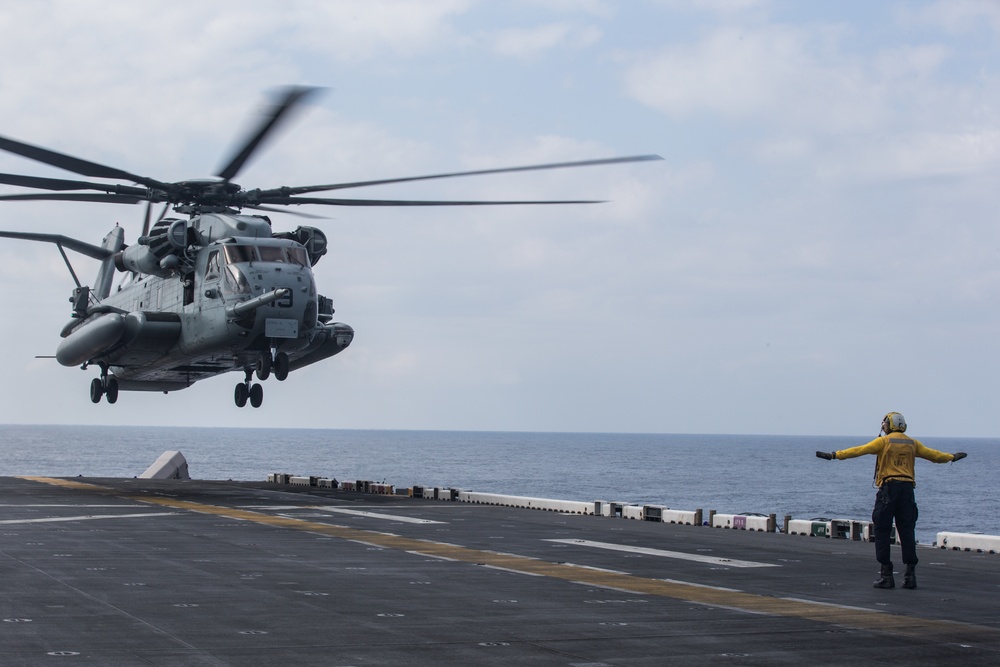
(727, 473)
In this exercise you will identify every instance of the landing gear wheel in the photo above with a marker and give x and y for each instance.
(241, 395)
(96, 390)
(256, 395)
(264, 366)
(111, 390)
(281, 366)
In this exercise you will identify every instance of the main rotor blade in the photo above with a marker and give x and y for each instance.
(82, 247)
(535, 167)
(291, 98)
(75, 196)
(290, 201)
(76, 165)
(63, 184)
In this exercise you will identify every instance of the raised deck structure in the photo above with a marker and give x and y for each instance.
(170, 572)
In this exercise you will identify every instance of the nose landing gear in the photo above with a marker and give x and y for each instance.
(246, 391)
(268, 362)
(281, 366)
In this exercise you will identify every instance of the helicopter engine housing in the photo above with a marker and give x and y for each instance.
(141, 259)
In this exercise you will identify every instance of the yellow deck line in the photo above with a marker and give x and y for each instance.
(851, 617)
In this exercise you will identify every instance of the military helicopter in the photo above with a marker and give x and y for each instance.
(216, 291)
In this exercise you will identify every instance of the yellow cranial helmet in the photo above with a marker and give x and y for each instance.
(893, 422)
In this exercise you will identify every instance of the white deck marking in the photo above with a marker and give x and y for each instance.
(86, 517)
(65, 505)
(711, 560)
(373, 515)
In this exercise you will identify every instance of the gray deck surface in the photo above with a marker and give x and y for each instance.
(141, 572)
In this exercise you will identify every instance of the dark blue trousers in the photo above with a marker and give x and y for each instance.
(895, 501)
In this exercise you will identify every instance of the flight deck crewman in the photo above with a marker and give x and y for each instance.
(895, 481)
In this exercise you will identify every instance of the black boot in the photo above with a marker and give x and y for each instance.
(910, 579)
(885, 579)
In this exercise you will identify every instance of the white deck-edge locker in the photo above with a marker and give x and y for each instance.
(688, 517)
(740, 522)
(810, 528)
(565, 506)
(632, 512)
(848, 529)
(438, 493)
(968, 542)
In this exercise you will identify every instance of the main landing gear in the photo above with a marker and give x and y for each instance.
(267, 363)
(104, 386)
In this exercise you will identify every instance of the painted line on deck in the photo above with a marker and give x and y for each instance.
(373, 515)
(86, 517)
(680, 555)
(922, 629)
(119, 505)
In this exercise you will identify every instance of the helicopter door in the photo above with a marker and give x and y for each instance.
(211, 325)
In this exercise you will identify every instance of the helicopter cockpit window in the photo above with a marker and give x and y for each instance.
(236, 281)
(298, 256)
(236, 254)
(271, 253)
(213, 269)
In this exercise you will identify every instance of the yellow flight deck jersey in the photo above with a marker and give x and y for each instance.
(896, 454)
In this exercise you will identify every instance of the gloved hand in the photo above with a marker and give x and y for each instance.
(829, 456)
(959, 456)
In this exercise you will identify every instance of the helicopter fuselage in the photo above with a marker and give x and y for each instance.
(237, 299)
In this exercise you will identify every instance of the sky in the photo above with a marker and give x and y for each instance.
(819, 245)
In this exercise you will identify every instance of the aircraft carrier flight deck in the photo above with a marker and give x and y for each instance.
(100, 571)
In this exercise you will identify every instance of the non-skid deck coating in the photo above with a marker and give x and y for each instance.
(142, 572)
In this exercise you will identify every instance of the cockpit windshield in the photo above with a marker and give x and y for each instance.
(297, 256)
(270, 253)
(238, 254)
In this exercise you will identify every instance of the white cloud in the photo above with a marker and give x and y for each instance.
(531, 42)
(351, 31)
(778, 74)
